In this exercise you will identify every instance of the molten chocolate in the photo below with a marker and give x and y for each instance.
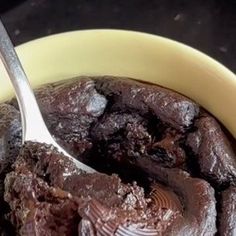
(163, 198)
(167, 151)
(41, 197)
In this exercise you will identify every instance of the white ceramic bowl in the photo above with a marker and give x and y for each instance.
(138, 55)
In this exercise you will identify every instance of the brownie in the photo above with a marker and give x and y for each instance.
(70, 108)
(165, 165)
(48, 195)
(10, 142)
(170, 107)
(10, 136)
(213, 150)
(198, 199)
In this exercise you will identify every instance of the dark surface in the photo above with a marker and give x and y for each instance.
(132, 132)
(8, 4)
(206, 25)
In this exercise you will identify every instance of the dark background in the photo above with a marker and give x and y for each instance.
(208, 25)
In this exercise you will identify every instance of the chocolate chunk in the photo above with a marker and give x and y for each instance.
(171, 108)
(70, 107)
(213, 151)
(42, 201)
(127, 136)
(142, 132)
(10, 141)
(167, 151)
(10, 136)
(37, 208)
(76, 96)
(197, 198)
(112, 123)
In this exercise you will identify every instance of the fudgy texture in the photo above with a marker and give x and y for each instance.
(197, 197)
(168, 144)
(171, 108)
(70, 108)
(48, 195)
(10, 142)
(10, 136)
(213, 150)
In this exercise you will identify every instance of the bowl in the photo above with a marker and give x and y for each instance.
(132, 54)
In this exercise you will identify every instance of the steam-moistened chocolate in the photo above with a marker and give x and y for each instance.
(165, 165)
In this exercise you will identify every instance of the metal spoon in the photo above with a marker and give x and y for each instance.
(33, 125)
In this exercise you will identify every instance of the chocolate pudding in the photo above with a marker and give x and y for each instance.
(164, 165)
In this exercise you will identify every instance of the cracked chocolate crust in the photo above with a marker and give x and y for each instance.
(119, 125)
(48, 195)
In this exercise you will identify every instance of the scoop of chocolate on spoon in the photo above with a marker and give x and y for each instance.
(33, 125)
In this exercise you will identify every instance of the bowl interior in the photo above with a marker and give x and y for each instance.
(132, 54)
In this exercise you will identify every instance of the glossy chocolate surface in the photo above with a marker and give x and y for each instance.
(165, 165)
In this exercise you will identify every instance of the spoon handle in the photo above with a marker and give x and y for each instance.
(33, 126)
(32, 121)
